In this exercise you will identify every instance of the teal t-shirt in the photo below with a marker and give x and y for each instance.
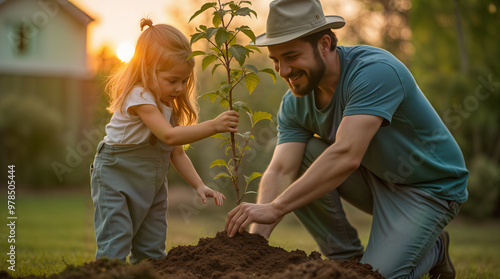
(413, 146)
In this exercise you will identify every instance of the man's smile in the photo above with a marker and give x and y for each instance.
(294, 77)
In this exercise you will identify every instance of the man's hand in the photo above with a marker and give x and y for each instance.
(246, 213)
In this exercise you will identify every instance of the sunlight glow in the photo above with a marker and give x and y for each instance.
(125, 51)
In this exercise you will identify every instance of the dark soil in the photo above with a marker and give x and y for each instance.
(243, 256)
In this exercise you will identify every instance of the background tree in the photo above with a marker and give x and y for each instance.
(456, 64)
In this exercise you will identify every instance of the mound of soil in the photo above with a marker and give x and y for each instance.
(250, 256)
(244, 253)
(242, 256)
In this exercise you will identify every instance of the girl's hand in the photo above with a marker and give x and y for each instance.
(227, 122)
(204, 192)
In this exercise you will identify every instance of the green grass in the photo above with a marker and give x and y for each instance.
(53, 229)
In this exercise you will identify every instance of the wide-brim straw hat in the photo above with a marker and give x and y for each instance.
(292, 19)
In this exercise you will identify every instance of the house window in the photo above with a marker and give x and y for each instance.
(22, 44)
(21, 38)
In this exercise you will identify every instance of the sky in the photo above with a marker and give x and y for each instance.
(117, 21)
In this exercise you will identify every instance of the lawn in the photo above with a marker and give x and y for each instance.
(54, 229)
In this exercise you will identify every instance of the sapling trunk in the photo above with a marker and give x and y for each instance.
(235, 177)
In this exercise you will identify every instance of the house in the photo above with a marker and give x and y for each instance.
(43, 37)
(44, 64)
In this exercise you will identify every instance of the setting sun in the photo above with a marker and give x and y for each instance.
(125, 51)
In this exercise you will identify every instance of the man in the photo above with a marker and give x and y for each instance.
(355, 125)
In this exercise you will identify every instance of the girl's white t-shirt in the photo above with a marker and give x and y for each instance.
(130, 129)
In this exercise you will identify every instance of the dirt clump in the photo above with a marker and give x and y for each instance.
(99, 269)
(250, 256)
(244, 253)
(243, 256)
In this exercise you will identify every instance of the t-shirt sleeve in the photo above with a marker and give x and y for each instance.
(376, 89)
(288, 128)
(138, 96)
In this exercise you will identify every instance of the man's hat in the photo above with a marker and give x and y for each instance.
(292, 19)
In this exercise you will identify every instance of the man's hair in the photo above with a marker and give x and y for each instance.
(314, 38)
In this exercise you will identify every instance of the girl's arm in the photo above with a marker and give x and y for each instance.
(179, 135)
(185, 168)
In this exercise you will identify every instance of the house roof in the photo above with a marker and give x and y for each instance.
(80, 15)
(77, 12)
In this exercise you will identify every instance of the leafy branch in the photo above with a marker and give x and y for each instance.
(225, 51)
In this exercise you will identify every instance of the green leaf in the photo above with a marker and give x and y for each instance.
(238, 105)
(211, 95)
(224, 103)
(225, 88)
(251, 81)
(205, 7)
(241, 105)
(218, 162)
(221, 36)
(239, 53)
(219, 136)
(251, 47)
(195, 53)
(254, 175)
(235, 73)
(260, 115)
(248, 32)
(233, 6)
(243, 12)
(196, 37)
(240, 151)
(217, 19)
(209, 59)
(222, 174)
(251, 68)
(233, 41)
(215, 68)
(270, 72)
(210, 32)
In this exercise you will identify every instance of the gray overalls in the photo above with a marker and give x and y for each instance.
(129, 191)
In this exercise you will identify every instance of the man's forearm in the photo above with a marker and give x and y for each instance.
(333, 166)
(321, 178)
(271, 186)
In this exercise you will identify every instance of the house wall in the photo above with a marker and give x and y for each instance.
(53, 90)
(54, 41)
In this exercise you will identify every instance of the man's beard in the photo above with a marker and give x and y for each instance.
(314, 76)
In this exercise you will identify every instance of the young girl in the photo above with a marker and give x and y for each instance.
(151, 97)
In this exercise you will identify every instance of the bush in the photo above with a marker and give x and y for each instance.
(31, 137)
(484, 190)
